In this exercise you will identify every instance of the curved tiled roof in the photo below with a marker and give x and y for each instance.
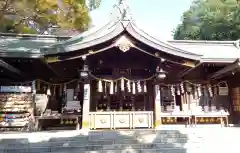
(215, 51)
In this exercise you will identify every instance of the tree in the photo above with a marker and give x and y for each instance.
(38, 16)
(210, 20)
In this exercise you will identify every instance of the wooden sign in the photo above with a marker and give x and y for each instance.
(223, 91)
(15, 89)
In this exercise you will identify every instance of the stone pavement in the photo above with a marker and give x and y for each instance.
(165, 140)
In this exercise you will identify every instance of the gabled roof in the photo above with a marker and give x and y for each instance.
(37, 45)
(113, 29)
(25, 45)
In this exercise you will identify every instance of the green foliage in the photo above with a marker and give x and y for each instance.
(37, 16)
(210, 20)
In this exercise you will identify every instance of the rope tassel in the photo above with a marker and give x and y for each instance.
(139, 86)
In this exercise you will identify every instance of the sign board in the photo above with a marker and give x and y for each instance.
(71, 105)
(223, 91)
(16, 89)
(86, 92)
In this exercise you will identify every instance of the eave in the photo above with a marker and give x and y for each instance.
(111, 32)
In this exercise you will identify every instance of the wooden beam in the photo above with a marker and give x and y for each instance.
(44, 61)
(11, 68)
(188, 71)
(225, 70)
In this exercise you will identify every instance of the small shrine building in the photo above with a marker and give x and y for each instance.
(118, 76)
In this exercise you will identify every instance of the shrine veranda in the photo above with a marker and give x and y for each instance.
(116, 77)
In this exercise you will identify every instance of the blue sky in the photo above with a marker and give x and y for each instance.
(156, 17)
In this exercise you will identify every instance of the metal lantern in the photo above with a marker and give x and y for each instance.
(83, 73)
(161, 74)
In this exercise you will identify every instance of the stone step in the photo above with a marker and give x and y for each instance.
(77, 150)
(105, 146)
(117, 140)
(203, 140)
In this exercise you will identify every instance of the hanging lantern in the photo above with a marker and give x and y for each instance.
(182, 88)
(49, 91)
(111, 87)
(145, 86)
(134, 88)
(139, 86)
(122, 84)
(161, 74)
(129, 86)
(100, 87)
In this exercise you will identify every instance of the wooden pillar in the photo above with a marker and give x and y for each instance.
(86, 105)
(157, 104)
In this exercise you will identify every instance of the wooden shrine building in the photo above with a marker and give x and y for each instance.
(118, 76)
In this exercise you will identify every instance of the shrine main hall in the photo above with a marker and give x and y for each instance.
(117, 76)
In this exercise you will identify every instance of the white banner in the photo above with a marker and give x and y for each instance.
(41, 101)
(16, 89)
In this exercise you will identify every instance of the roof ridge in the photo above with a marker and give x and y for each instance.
(164, 42)
(203, 41)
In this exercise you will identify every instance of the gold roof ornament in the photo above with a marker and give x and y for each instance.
(124, 10)
(124, 44)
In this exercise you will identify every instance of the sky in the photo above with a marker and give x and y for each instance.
(158, 18)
